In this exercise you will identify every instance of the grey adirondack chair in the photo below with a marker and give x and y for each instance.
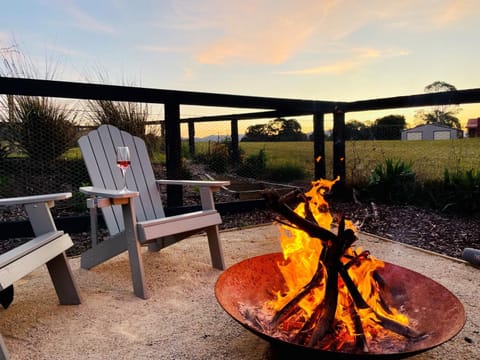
(136, 217)
(47, 247)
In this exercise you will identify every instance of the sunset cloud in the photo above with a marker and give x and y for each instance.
(84, 19)
(453, 12)
(357, 58)
(275, 31)
(279, 31)
(161, 49)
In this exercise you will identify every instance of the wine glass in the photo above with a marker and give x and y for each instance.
(123, 162)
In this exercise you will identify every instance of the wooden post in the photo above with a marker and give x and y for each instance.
(339, 146)
(319, 146)
(235, 148)
(191, 138)
(11, 108)
(173, 147)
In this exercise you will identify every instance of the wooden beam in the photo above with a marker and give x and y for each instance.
(191, 138)
(235, 147)
(430, 99)
(319, 146)
(173, 149)
(76, 90)
(339, 146)
(247, 116)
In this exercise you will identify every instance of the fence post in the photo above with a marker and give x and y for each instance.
(319, 145)
(234, 133)
(173, 150)
(339, 146)
(191, 138)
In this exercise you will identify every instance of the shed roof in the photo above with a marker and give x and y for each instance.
(438, 126)
(473, 123)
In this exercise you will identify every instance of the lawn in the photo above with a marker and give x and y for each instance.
(429, 158)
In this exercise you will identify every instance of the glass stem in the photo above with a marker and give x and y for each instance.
(124, 173)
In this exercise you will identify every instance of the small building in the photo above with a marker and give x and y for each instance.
(432, 132)
(473, 127)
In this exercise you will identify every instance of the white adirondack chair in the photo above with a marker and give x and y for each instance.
(136, 217)
(47, 247)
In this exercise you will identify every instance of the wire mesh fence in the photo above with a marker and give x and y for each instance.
(39, 154)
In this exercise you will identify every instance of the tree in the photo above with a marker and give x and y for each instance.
(389, 127)
(276, 130)
(440, 114)
(256, 133)
(356, 130)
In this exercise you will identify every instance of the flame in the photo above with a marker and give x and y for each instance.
(301, 258)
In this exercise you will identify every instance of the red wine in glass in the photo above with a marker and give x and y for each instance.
(123, 162)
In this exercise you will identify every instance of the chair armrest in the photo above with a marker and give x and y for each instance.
(213, 184)
(108, 193)
(34, 199)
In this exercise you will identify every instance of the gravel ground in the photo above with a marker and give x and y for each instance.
(423, 228)
(182, 319)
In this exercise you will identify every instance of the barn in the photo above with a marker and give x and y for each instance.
(432, 132)
(473, 127)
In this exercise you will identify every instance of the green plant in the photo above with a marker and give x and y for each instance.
(254, 165)
(4, 151)
(392, 182)
(461, 191)
(217, 157)
(130, 117)
(41, 128)
(285, 172)
(155, 143)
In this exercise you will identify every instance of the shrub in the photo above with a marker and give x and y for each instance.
(217, 157)
(154, 143)
(461, 191)
(254, 165)
(41, 128)
(130, 117)
(392, 182)
(285, 172)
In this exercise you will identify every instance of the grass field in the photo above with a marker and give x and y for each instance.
(429, 158)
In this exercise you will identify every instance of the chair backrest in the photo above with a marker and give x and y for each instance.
(98, 149)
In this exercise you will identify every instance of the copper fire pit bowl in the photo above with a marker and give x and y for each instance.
(432, 309)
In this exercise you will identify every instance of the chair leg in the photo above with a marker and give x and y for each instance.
(216, 252)
(3, 350)
(63, 281)
(134, 252)
(155, 246)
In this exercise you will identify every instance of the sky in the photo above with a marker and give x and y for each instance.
(341, 50)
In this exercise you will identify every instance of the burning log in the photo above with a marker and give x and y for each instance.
(334, 263)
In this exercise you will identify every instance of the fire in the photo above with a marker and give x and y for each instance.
(301, 262)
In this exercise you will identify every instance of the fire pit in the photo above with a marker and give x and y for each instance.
(434, 311)
(324, 294)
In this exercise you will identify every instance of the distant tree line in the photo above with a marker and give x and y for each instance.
(389, 127)
(279, 129)
(386, 128)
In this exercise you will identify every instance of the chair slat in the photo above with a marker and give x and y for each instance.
(95, 159)
(150, 190)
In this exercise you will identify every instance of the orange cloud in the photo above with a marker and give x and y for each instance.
(356, 59)
(333, 68)
(259, 32)
(454, 11)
